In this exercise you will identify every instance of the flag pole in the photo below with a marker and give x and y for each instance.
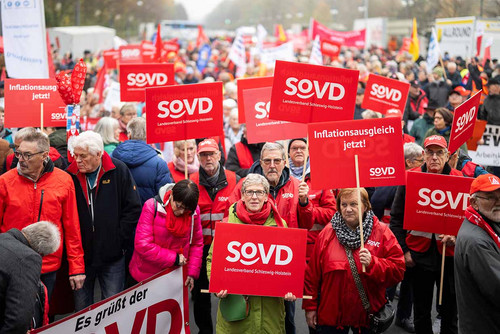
(306, 156)
(41, 116)
(185, 160)
(360, 213)
(442, 274)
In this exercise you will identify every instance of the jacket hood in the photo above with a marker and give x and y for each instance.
(163, 190)
(58, 138)
(134, 152)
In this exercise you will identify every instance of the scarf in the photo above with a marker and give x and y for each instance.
(258, 218)
(180, 165)
(122, 126)
(348, 237)
(297, 171)
(475, 218)
(442, 132)
(178, 226)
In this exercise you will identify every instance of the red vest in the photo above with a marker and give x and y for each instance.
(244, 156)
(176, 175)
(212, 212)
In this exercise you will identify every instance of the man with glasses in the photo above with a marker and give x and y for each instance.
(423, 250)
(290, 196)
(477, 259)
(36, 191)
(216, 185)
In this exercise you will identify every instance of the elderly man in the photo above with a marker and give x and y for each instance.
(477, 259)
(36, 191)
(290, 195)
(216, 185)
(422, 250)
(20, 266)
(453, 76)
(109, 207)
(149, 170)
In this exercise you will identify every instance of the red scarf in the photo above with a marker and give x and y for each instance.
(476, 219)
(178, 226)
(258, 218)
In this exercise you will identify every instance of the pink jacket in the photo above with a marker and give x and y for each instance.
(156, 249)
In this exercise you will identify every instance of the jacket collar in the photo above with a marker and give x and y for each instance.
(48, 167)
(18, 235)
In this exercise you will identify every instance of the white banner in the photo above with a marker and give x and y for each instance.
(282, 52)
(489, 153)
(113, 96)
(158, 305)
(25, 42)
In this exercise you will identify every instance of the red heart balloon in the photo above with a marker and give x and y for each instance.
(78, 79)
(64, 88)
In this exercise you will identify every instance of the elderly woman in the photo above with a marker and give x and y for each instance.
(266, 314)
(329, 271)
(443, 119)
(169, 233)
(109, 129)
(127, 112)
(177, 166)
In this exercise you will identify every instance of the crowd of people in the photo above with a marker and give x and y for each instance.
(126, 210)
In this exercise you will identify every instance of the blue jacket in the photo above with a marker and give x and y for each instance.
(149, 170)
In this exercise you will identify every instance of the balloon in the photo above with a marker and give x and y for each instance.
(64, 88)
(78, 80)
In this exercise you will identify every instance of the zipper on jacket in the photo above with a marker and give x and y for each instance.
(40, 209)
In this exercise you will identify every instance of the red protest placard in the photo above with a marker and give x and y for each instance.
(435, 203)
(259, 127)
(258, 260)
(183, 112)
(477, 134)
(463, 122)
(382, 94)
(135, 78)
(110, 58)
(22, 103)
(377, 142)
(305, 93)
(130, 54)
(330, 48)
(249, 83)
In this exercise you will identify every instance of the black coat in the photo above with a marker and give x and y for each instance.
(233, 163)
(20, 268)
(116, 208)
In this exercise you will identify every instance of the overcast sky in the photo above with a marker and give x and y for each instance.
(198, 9)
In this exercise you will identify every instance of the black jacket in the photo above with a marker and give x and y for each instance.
(490, 110)
(233, 163)
(116, 208)
(20, 268)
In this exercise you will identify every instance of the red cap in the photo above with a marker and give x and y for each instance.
(485, 182)
(208, 145)
(393, 113)
(435, 140)
(461, 90)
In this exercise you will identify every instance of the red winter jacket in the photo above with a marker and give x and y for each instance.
(329, 272)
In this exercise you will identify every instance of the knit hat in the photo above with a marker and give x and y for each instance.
(292, 140)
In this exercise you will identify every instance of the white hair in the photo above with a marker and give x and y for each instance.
(106, 128)
(234, 113)
(43, 237)
(136, 128)
(89, 141)
(255, 179)
(270, 146)
(412, 151)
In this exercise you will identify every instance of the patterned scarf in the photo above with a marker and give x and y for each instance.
(181, 166)
(297, 171)
(475, 218)
(348, 237)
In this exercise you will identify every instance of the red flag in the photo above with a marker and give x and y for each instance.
(52, 71)
(479, 39)
(487, 50)
(202, 37)
(101, 82)
(158, 45)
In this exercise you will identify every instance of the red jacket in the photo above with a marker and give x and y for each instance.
(176, 175)
(51, 198)
(244, 155)
(213, 211)
(329, 272)
(324, 207)
(287, 202)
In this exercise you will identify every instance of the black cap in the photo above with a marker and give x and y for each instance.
(494, 81)
(432, 105)
(292, 140)
(415, 83)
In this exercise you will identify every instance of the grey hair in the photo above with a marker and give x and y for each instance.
(106, 128)
(127, 106)
(255, 179)
(43, 236)
(136, 128)
(23, 133)
(412, 151)
(271, 146)
(89, 141)
(179, 144)
(41, 139)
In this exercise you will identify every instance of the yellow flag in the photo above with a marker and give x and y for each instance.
(414, 47)
(280, 33)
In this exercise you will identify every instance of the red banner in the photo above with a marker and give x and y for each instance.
(382, 94)
(135, 78)
(110, 58)
(463, 122)
(354, 38)
(249, 83)
(436, 203)
(331, 49)
(183, 112)
(377, 142)
(259, 127)
(130, 54)
(258, 260)
(88, 123)
(23, 98)
(305, 93)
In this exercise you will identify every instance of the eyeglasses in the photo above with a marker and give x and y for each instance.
(491, 200)
(259, 193)
(269, 161)
(207, 154)
(26, 156)
(438, 117)
(439, 153)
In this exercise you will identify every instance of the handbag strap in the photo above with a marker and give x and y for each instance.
(357, 280)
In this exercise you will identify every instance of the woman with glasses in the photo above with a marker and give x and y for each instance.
(169, 233)
(443, 120)
(266, 314)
